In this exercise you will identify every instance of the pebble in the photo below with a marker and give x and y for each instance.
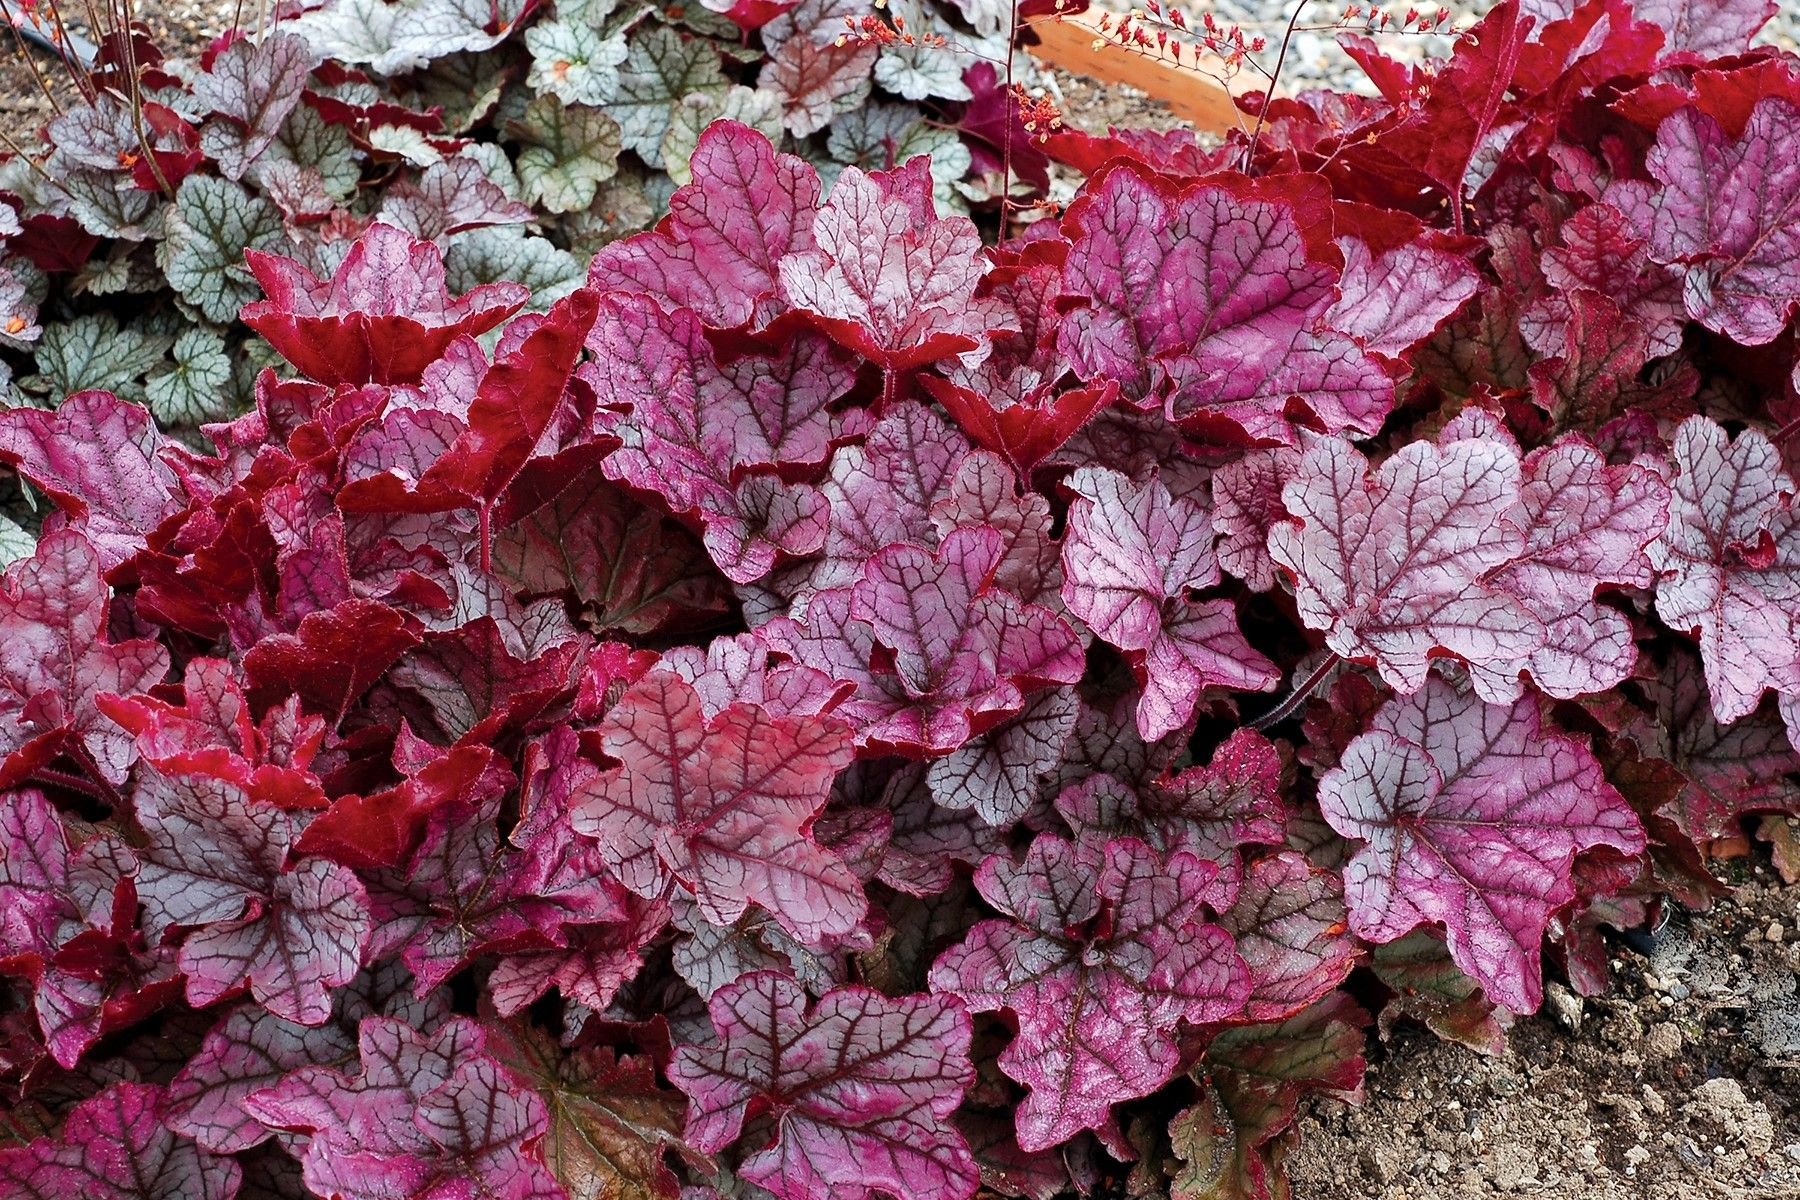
(1564, 1005)
(1774, 933)
(1663, 1041)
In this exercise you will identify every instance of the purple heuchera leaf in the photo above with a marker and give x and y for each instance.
(889, 278)
(1131, 555)
(1727, 212)
(1209, 812)
(1587, 526)
(54, 609)
(1471, 815)
(747, 207)
(860, 1089)
(101, 459)
(1705, 28)
(1290, 925)
(1393, 569)
(1212, 302)
(383, 317)
(708, 435)
(960, 654)
(427, 1115)
(998, 773)
(723, 806)
(1394, 301)
(215, 866)
(114, 1146)
(1102, 951)
(1730, 563)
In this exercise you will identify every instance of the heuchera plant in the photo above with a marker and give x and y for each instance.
(831, 707)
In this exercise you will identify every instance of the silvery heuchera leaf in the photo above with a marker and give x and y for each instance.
(215, 866)
(1730, 563)
(1236, 346)
(1726, 215)
(351, 31)
(506, 253)
(758, 110)
(730, 824)
(686, 410)
(860, 1090)
(574, 60)
(1098, 997)
(568, 152)
(1393, 567)
(1131, 558)
(451, 197)
(16, 542)
(250, 90)
(107, 204)
(662, 67)
(197, 388)
(114, 1146)
(1471, 815)
(425, 1115)
(998, 772)
(54, 611)
(92, 352)
(920, 72)
(211, 225)
(19, 326)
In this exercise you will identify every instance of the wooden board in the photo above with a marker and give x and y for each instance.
(1067, 42)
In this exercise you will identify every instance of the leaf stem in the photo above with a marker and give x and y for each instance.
(69, 782)
(1262, 110)
(1297, 697)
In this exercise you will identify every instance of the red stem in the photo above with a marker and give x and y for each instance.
(1297, 697)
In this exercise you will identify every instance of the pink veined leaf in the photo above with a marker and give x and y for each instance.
(1706, 28)
(250, 1049)
(383, 317)
(816, 79)
(250, 88)
(1602, 252)
(985, 491)
(334, 656)
(886, 490)
(68, 923)
(1291, 928)
(114, 1146)
(1246, 505)
(706, 435)
(1393, 302)
(1209, 812)
(1102, 951)
(1131, 556)
(1471, 815)
(860, 1090)
(1392, 568)
(927, 839)
(960, 654)
(1730, 563)
(101, 459)
(723, 805)
(726, 232)
(1727, 213)
(710, 957)
(889, 278)
(476, 690)
(214, 866)
(1211, 303)
(737, 669)
(54, 609)
(1587, 525)
(1728, 770)
(426, 1115)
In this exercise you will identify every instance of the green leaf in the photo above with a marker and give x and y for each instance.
(198, 387)
(405, 143)
(465, 87)
(662, 68)
(211, 225)
(326, 150)
(571, 150)
(761, 111)
(498, 252)
(921, 72)
(16, 541)
(108, 205)
(622, 207)
(92, 351)
(576, 63)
